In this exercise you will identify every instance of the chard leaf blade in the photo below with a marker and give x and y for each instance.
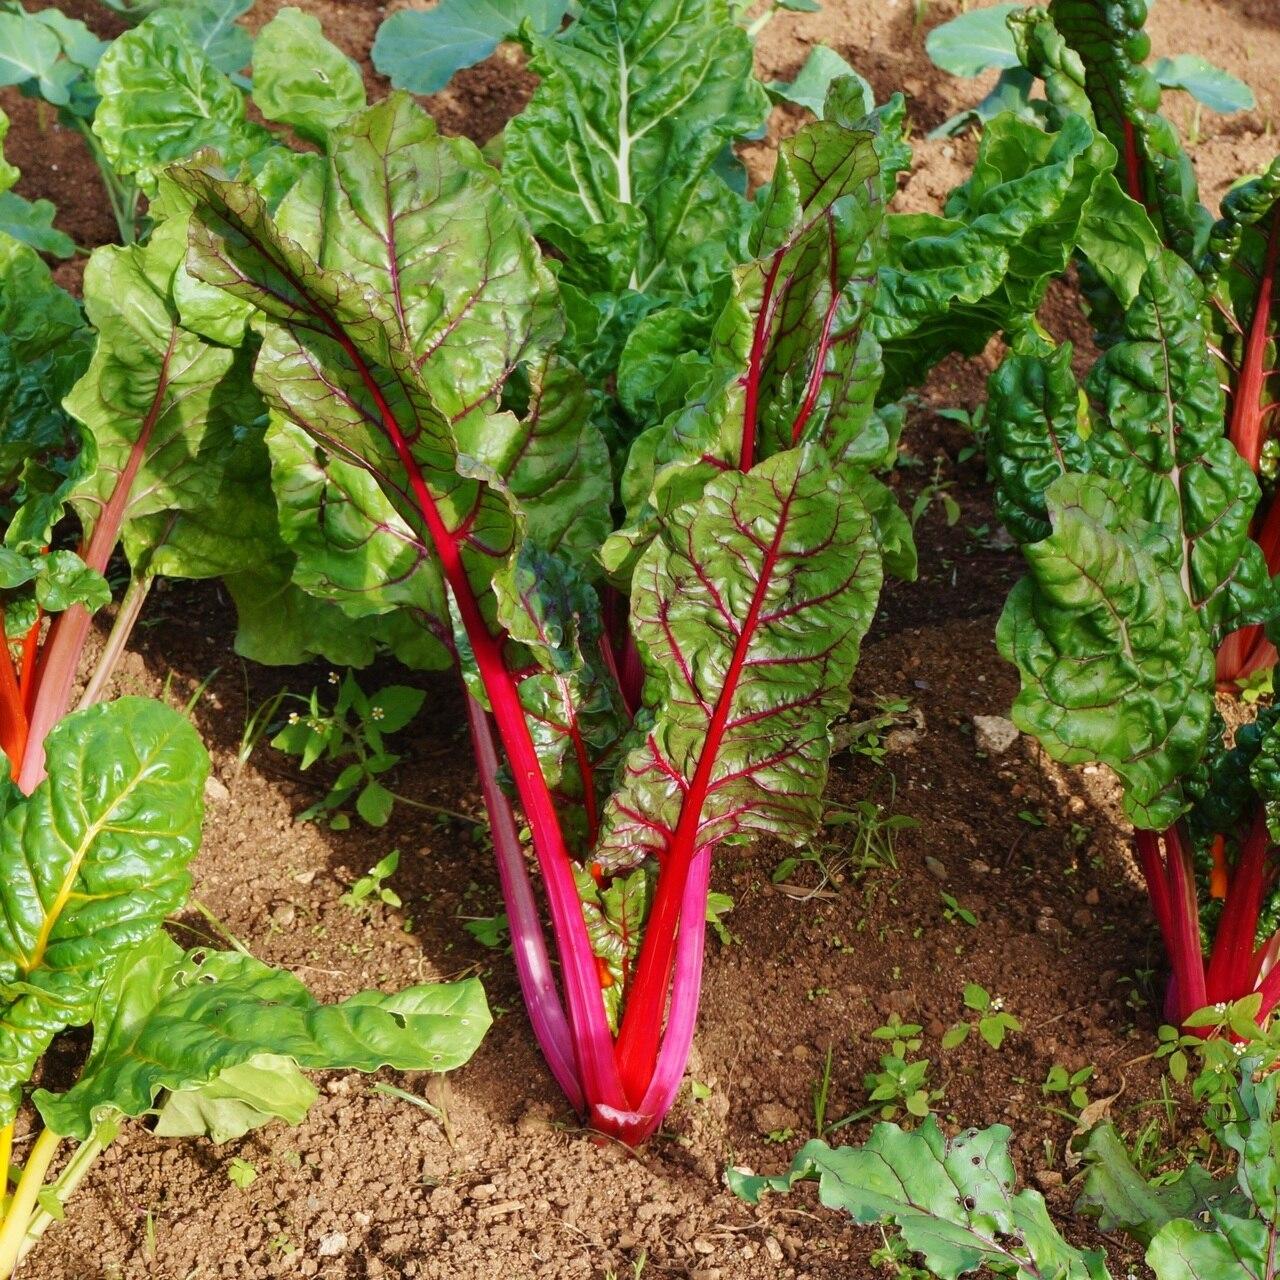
(91, 864)
(749, 612)
(175, 1021)
(1116, 665)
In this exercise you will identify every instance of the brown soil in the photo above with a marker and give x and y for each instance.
(370, 1186)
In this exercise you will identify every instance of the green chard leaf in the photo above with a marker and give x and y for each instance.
(178, 1022)
(1116, 664)
(614, 158)
(749, 611)
(1107, 37)
(1038, 429)
(164, 407)
(44, 348)
(949, 283)
(406, 334)
(552, 458)
(92, 863)
(1158, 393)
(163, 99)
(952, 1200)
(300, 79)
(348, 544)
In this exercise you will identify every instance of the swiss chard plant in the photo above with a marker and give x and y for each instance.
(1145, 505)
(91, 862)
(653, 661)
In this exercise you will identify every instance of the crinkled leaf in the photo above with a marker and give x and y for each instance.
(749, 612)
(1038, 428)
(1239, 269)
(92, 863)
(1116, 665)
(421, 50)
(1160, 401)
(616, 151)
(1107, 37)
(951, 282)
(952, 1200)
(300, 79)
(615, 912)
(351, 546)
(163, 100)
(182, 1019)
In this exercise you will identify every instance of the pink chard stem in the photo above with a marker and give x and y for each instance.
(528, 944)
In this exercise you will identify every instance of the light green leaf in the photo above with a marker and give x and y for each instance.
(174, 1021)
(813, 81)
(239, 1099)
(300, 79)
(553, 459)
(162, 405)
(89, 866)
(163, 100)
(616, 150)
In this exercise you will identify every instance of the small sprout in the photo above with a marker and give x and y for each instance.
(371, 885)
(242, 1173)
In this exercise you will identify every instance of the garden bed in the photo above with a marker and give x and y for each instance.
(1010, 879)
